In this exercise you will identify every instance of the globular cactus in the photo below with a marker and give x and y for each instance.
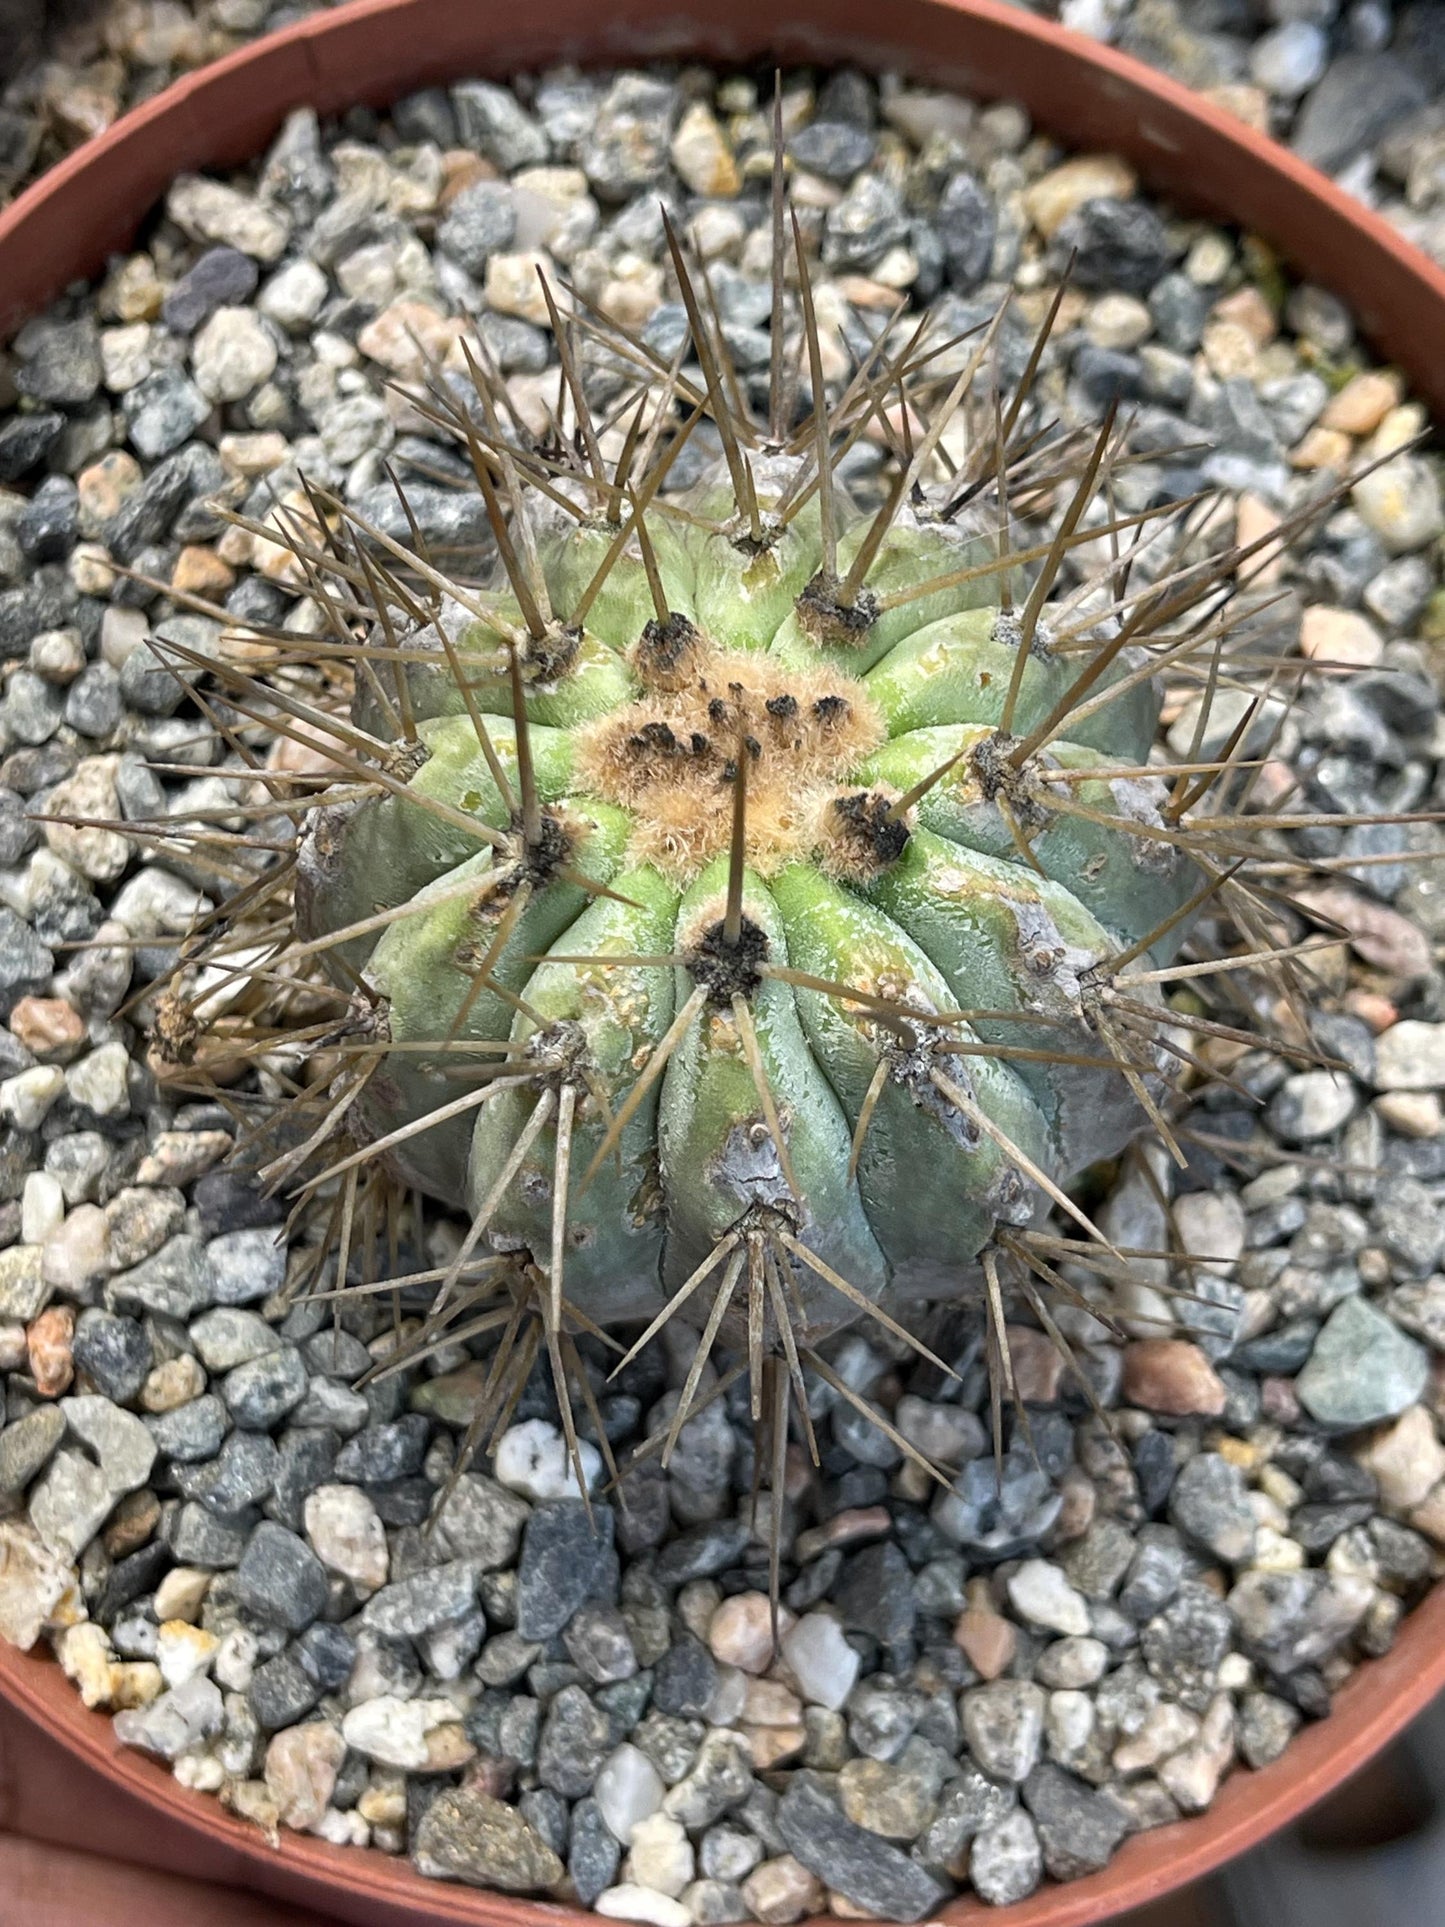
(757, 907)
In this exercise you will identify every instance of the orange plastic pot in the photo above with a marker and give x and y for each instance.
(118, 1802)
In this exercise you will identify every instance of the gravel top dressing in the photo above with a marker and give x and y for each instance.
(233, 1545)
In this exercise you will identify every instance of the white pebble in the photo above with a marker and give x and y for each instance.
(533, 1459)
(628, 1789)
(820, 1659)
(26, 1098)
(640, 1903)
(42, 1208)
(661, 1856)
(1044, 1596)
(99, 1083)
(393, 1731)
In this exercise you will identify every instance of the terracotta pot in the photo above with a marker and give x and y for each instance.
(63, 229)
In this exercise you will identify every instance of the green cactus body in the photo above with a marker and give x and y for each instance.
(983, 897)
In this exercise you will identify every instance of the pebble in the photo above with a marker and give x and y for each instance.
(660, 1856)
(533, 1459)
(630, 1902)
(741, 1632)
(1401, 503)
(301, 1770)
(1362, 1369)
(1172, 1376)
(400, 1733)
(1064, 189)
(345, 1532)
(820, 1660)
(1003, 1723)
(628, 1788)
(280, 1579)
(853, 1861)
(1409, 1056)
(988, 1640)
(1006, 1861)
(467, 1835)
(566, 1554)
(1209, 1504)
(1040, 1591)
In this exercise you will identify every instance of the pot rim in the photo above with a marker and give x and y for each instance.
(373, 51)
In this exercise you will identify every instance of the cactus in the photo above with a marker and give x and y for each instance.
(761, 903)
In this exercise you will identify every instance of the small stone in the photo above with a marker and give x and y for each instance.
(565, 1554)
(533, 1459)
(233, 354)
(1401, 503)
(627, 1789)
(35, 1581)
(176, 1722)
(396, 1732)
(1266, 1727)
(1209, 1503)
(1078, 1827)
(246, 1265)
(26, 1447)
(407, 1608)
(1172, 1376)
(630, 1902)
(48, 1350)
(1363, 1369)
(23, 1290)
(467, 1835)
(702, 156)
(1406, 1459)
(1042, 1594)
(280, 1578)
(820, 1660)
(347, 1535)
(1003, 1723)
(852, 1861)
(99, 1083)
(183, 1652)
(261, 1392)
(173, 1383)
(1340, 638)
(1409, 1056)
(211, 211)
(302, 1765)
(123, 1447)
(782, 1890)
(479, 1521)
(576, 1738)
(987, 1640)
(660, 1856)
(1006, 1862)
(27, 1098)
(221, 276)
(720, 1778)
(1192, 1776)
(1311, 1104)
(1056, 195)
(1363, 403)
(513, 285)
(491, 120)
(741, 1632)
(70, 1502)
(886, 1798)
